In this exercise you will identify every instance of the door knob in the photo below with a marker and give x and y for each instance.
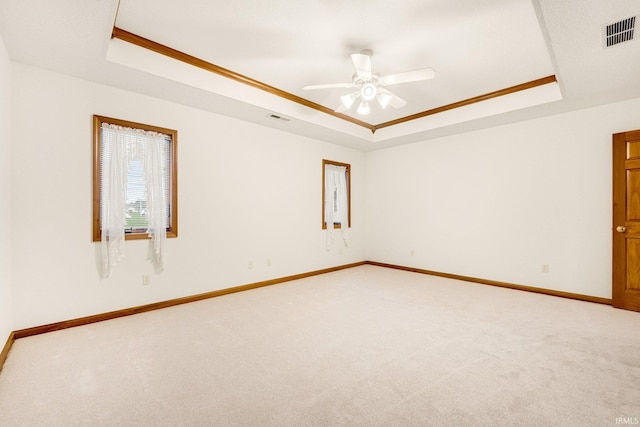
(621, 229)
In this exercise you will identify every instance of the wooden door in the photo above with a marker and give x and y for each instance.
(626, 220)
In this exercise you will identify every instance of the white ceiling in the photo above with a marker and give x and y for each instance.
(475, 47)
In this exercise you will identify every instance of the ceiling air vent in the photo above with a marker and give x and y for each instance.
(619, 32)
(277, 117)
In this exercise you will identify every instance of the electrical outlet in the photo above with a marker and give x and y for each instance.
(146, 279)
(268, 262)
(412, 252)
(250, 265)
(545, 268)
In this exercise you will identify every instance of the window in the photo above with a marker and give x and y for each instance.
(136, 212)
(336, 194)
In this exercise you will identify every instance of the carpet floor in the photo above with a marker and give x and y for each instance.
(366, 346)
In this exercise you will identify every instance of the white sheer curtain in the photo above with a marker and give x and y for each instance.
(336, 202)
(121, 146)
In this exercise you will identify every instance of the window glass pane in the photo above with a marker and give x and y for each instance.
(137, 215)
(336, 199)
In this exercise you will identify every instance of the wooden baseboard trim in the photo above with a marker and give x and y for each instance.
(6, 349)
(22, 333)
(554, 293)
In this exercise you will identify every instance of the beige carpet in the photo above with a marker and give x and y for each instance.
(367, 346)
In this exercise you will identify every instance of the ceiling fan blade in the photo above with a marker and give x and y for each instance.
(341, 109)
(395, 101)
(362, 64)
(328, 86)
(409, 76)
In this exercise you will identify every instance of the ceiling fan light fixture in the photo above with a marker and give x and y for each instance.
(348, 100)
(370, 85)
(363, 108)
(384, 99)
(368, 91)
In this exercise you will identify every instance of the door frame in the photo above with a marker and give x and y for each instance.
(619, 217)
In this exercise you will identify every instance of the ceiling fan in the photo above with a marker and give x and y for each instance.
(370, 85)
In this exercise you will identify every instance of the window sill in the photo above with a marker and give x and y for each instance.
(139, 236)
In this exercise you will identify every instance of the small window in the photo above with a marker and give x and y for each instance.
(336, 194)
(136, 211)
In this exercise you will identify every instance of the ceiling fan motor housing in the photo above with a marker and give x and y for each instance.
(368, 91)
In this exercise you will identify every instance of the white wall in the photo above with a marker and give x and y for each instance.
(6, 323)
(499, 203)
(493, 204)
(246, 192)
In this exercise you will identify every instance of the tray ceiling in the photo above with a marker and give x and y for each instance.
(552, 52)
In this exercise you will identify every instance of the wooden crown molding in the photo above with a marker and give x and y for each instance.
(475, 99)
(134, 39)
(142, 42)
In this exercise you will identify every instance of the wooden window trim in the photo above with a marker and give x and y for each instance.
(172, 230)
(348, 166)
